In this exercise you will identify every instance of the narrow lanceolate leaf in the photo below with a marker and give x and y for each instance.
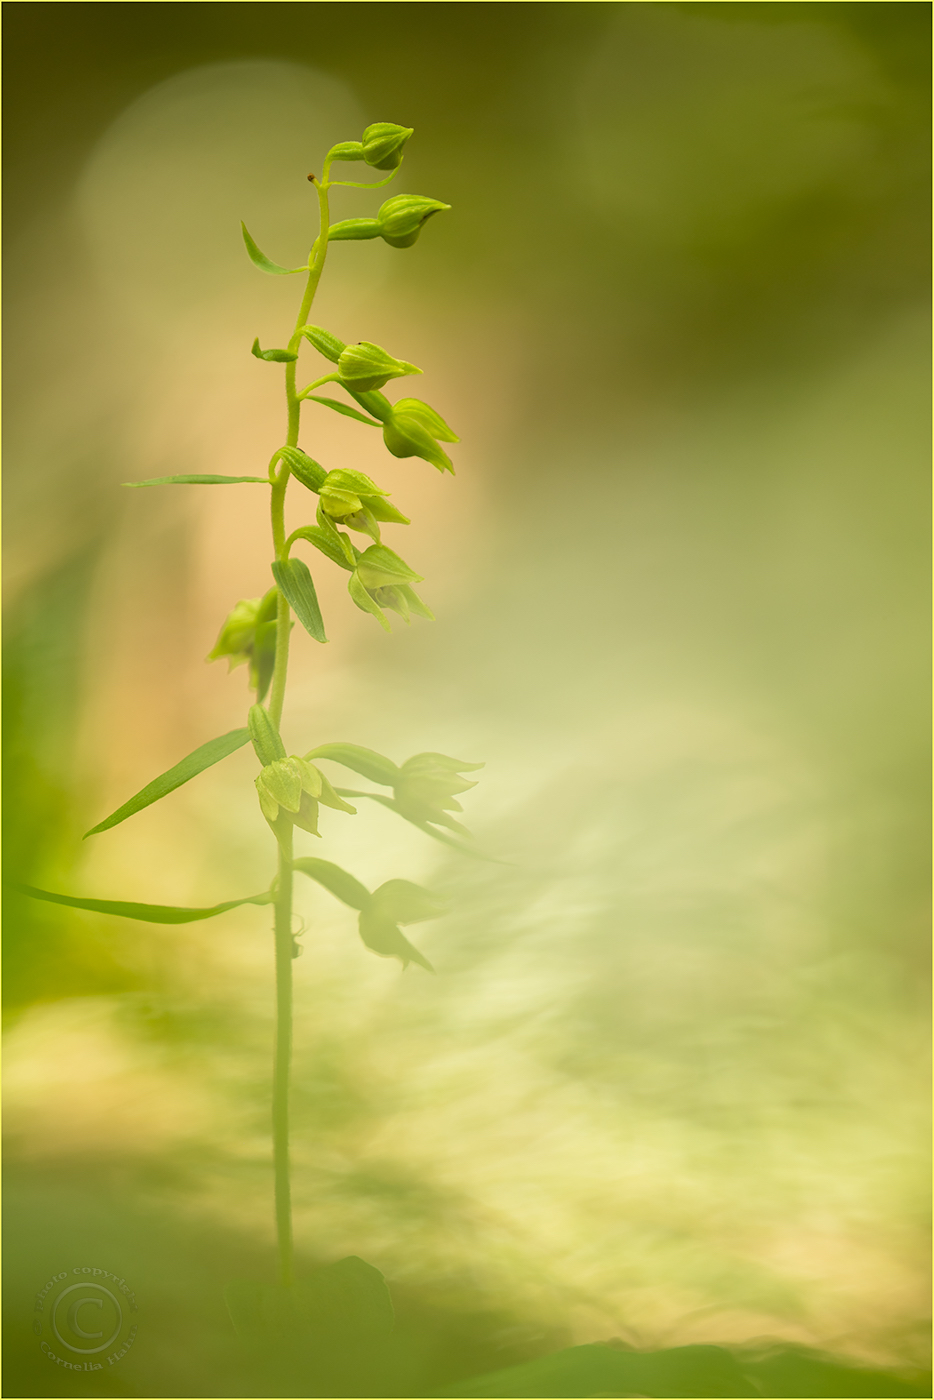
(280, 357)
(366, 762)
(197, 481)
(148, 913)
(295, 581)
(210, 753)
(423, 826)
(262, 262)
(342, 885)
(339, 407)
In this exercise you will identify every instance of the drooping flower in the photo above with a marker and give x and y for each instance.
(249, 635)
(427, 787)
(295, 787)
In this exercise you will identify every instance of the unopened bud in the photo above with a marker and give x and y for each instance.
(382, 144)
(366, 366)
(400, 219)
(428, 417)
(406, 436)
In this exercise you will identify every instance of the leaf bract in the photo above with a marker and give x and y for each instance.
(295, 581)
(344, 408)
(260, 260)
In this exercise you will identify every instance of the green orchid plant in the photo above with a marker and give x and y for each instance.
(292, 788)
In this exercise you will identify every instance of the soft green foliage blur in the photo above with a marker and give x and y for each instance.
(669, 1082)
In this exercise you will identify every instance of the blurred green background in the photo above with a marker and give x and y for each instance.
(669, 1084)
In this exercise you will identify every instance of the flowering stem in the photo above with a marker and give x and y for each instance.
(283, 910)
(283, 1057)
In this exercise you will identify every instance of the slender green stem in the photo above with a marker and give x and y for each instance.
(283, 1056)
(316, 384)
(283, 920)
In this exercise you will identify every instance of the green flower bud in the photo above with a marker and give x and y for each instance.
(400, 219)
(249, 634)
(405, 435)
(428, 418)
(324, 342)
(352, 499)
(366, 366)
(282, 784)
(382, 144)
(295, 787)
(338, 503)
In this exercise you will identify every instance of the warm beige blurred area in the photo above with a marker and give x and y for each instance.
(670, 1081)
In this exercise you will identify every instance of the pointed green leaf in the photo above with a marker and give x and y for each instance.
(148, 913)
(281, 357)
(197, 481)
(295, 581)
(211, 752)
(366, 762)
(344, 408)
(262, 262)
(342, 885)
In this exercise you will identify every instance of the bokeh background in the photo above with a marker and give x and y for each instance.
(669, 1084)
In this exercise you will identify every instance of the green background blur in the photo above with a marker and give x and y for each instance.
(669, 1083)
